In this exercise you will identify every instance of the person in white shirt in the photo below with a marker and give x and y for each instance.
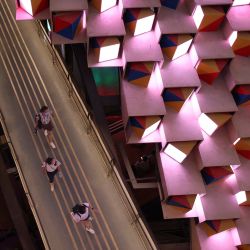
(51, 166)
(43, 120)
(80, 213)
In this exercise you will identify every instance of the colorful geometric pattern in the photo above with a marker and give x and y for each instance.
(102, 5)
(99, 43)
(132, 16)
(176, 97)
(243, 147)
(171, 44)
(212, 174)
(244, 247)
(68, 24)
(219, 118)
(241, 45)
(144, 125)
(213, 17)
(241, 95)
(209, 70)
(139, 73)
(172, 4)
(181, 201)
(212, 227)
(34, 6)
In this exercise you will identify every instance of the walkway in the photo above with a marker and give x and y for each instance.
(29, 79)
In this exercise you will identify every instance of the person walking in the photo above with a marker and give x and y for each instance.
(43, 121)
(80, 213)
(51, 167)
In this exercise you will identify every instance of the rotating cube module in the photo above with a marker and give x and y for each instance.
(144, 125)
(33, 7)
(208, 18)
(241, 95)
(106, 48)
(139, 21)
(240, 43)
(139, 73)
(68, 24)
(174, 46)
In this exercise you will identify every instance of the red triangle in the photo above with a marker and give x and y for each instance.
(209, 77)
(243, 51)
(213, 26)
(59, 24)
(221, 63)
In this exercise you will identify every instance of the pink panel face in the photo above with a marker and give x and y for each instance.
(175, 153)
(144, 25)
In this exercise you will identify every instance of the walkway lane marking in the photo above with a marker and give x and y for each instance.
(31, 99)
(27, 123)
(107, 226)
(67, 187)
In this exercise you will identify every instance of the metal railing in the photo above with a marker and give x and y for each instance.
(93, 131)
(24, 184)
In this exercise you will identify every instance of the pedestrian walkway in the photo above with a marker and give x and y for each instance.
(29, 79)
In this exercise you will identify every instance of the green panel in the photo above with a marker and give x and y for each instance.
(106, 80)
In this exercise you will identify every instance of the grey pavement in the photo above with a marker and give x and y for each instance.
(29, 79)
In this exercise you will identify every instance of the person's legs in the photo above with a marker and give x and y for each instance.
(51, 139)
(88, 227)
(51, 176)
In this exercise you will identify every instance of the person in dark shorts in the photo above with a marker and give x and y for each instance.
(51, 167)
(43, 120)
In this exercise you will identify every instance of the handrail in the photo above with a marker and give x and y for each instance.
(85, 114)
(24, 184)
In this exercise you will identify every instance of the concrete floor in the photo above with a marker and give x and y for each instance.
(28, 79)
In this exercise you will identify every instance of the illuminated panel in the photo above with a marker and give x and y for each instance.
(243, 198)
(208, 18)
(209, 69)
(68, 24)
(240, 43)
(210, 122)
(240, 2)
(102, 5)
(242, 147)
(144, 125)
(212, 174)
(179, 150)
(34, 6)
(181, 201)
(106, 48)
(139, 21)
(212, 227)
(241, 95)
(139, 73)
(172, 4)
(176, 97)
(174, 46)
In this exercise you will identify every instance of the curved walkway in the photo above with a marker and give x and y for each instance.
(29, 79)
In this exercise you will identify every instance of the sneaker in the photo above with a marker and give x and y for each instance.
(52, 145)
(52, 188)
(60, 174)
(45, 132)
(90, 230)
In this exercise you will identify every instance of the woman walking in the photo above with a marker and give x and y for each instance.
(80, 213)
(51, 167)
(43, 121)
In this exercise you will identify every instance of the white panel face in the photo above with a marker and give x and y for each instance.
(241, 197)
(240, 2)
(182, 49)
(175, 153)
(107, 4)
(232, 38)
(27, 6)
(206, 124)
(144, 25)
(198, 16)
(151, 129)
(109, 52)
